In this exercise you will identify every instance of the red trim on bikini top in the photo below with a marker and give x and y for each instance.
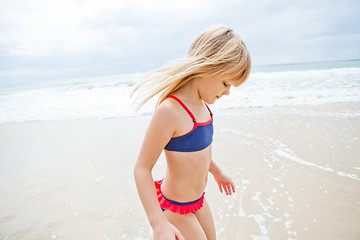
(194, 142)
(190, 113)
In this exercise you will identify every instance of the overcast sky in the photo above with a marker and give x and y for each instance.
(42, 39)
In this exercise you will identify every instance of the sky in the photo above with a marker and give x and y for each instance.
(58, 39)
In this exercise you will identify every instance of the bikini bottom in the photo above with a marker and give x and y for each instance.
(181, 208)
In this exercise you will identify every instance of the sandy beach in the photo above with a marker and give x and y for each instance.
(296, 171)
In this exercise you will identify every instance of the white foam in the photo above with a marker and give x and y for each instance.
(241, 210)
(289, 155)
(348, 175)
(287, 224)
(254, 237)
(260, 220)
(99, 179)
(286, 153)
(100, 98)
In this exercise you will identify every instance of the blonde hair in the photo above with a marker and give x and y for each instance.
(216, 51)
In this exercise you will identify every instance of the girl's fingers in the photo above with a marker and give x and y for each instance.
(179, 236)
(226, 190)
(232, 186)
(229, 189)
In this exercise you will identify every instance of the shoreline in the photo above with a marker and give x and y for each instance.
(337, 105)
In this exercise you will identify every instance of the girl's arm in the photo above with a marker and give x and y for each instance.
(160, 130)
(224, 182)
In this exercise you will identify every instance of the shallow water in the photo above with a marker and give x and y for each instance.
(298, 174)
(296, 171)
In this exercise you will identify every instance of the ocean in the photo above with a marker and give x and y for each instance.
(109, 96)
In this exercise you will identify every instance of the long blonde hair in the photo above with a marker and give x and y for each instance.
(216, 51)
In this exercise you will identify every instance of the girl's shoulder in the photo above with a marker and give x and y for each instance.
(165, 119)
(168, 109)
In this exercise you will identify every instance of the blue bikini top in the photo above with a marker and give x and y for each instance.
(200, 137)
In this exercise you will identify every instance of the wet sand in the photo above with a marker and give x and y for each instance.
(296, 171)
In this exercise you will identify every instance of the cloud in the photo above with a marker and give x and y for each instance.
(85, 37)
(46, 28)
(43, 28)
(299, 31)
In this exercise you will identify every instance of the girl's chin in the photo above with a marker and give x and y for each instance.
(212, 101)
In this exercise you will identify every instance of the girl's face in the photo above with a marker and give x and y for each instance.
(213, 87)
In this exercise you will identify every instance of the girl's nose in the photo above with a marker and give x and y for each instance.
(227, 92)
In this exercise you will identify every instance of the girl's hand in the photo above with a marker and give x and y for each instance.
(167, 231)
(225, 184)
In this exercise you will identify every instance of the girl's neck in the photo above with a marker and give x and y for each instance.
(190, 93)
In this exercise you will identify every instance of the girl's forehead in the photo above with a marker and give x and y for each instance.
(224, 77)
(228, 79)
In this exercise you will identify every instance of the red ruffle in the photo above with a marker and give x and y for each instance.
(180, 209)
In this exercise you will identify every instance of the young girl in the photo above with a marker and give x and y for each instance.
(182, 126)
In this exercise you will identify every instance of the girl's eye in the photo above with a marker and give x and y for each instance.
(225, 84)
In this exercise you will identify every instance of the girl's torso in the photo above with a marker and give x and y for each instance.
(188, 154)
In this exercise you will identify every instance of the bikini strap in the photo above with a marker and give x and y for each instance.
(183, 105)
(211, 114)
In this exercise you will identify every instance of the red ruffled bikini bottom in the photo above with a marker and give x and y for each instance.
(181, 208)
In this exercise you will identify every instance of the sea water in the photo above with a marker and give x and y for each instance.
(109, 96)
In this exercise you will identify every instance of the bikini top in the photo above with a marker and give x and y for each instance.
(200, 137)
